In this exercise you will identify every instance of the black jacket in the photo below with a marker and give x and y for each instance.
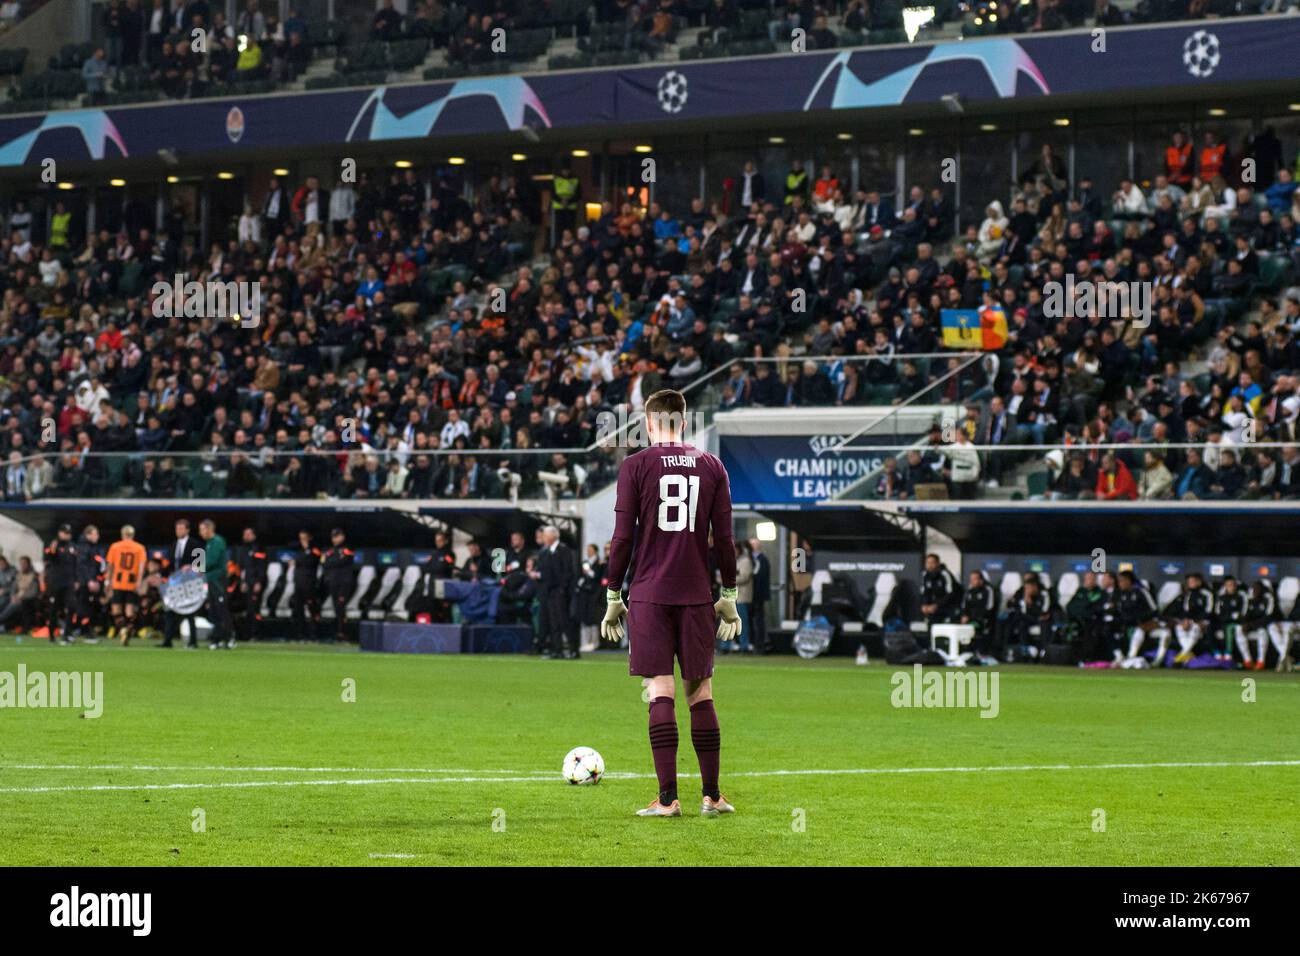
(941, 588)
(557, 569)
(60, 563)
(339, 568)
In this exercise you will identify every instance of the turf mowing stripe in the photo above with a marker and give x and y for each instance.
(550, 778)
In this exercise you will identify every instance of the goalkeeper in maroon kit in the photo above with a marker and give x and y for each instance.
(669, 497)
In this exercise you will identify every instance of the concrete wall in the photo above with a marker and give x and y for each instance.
(17, 540)
(47, 30)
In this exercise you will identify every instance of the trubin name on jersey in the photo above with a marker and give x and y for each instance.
(678, 461)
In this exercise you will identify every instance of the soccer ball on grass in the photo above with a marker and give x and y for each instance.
(582, 765)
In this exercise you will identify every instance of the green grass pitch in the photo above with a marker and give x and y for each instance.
(455, 760)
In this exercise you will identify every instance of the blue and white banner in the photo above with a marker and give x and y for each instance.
(1174, 56)
(793, 469)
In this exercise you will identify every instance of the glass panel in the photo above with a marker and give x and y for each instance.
(985, 164)
(1101, 154)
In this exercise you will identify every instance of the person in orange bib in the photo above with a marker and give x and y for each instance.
(126, 561)
(1178, 160)
(1214, 154)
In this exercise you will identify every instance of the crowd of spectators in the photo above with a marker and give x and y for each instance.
(182, 48)
(410, 344)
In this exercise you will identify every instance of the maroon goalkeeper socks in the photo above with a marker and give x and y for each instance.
(708, 745)
(663, 744)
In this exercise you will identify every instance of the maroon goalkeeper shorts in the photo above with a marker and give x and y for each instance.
(659, 632)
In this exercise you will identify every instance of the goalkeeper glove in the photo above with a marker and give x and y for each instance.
(728, 619)
(611, 628)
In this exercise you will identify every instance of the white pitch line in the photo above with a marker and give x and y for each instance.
(551, 778)
(197, 769)
(392, 856)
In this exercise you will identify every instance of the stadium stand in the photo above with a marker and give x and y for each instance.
(151, 54)
(382, 319)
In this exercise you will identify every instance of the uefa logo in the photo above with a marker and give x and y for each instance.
(1201, 53)
(672, 92)
(235, 124)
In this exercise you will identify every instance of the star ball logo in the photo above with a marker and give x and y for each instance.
(672, 92)
(1201, 53)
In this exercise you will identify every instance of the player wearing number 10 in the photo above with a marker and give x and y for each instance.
(669, 497)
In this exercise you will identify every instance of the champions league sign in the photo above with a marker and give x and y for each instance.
(792, 469)
(184, 592)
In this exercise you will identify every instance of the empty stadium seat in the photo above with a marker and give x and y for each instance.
(1169, 591)
(365, 577)
(282, 607)
(1287, 591)
(386, 584)
(885, 584)
(410, 579)
(1066, 588)
(274, 571)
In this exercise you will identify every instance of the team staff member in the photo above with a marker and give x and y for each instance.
(1140, 618)
(762, 590)
(339, 572)
(215, 554)
(91, 571)
(979, 606)
(252, 582)
(126, 563)
(556, 577)
(60, 574)
(1230, 616)
(442, 565)
(940, 591)
(304, 603)
(184, 552)
(1190, 615)
(1029, 617)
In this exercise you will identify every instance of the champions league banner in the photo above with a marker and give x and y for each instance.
(1181, 55)
(793, 469)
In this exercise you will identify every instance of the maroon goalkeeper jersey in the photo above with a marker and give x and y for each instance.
(669, 497)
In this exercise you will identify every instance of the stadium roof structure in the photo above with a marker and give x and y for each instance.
(1157, 64)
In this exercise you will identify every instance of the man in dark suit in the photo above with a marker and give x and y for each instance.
(762, 589)
(995, 429)
(880, 211)
(275, 209)
(184, 552)
(750, 187)
(556, 576)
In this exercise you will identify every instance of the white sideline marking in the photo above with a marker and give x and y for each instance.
(552, 778)
(151, 767)
(392, 856)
